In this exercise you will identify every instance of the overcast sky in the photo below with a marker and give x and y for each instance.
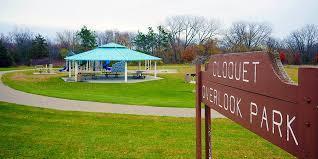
(49, 16)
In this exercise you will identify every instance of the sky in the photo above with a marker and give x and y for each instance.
(50, 16)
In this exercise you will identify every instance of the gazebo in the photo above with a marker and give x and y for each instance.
(95, 60)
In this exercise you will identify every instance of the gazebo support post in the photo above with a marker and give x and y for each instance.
(149, 64)
(89, 66)
(86, 68)
(76, 71)
(139, 65)
(73, 66)
(69, 69)
(101, 66)
(125, 71)
(155, 69)
(96, 66)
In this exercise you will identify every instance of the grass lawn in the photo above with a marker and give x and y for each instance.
(27, 132)
(172, 91)
(292, 71)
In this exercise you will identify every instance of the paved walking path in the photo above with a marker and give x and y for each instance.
(10, 95)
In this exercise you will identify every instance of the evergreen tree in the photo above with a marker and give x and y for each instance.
(162, 39)
(39, 48)
(87, 38)
(152, 42)
(5, 59)
(140, 41)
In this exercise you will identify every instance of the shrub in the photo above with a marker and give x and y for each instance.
(189, 53)
(282, 57)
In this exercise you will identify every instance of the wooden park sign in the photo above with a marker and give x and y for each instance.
(253, 90)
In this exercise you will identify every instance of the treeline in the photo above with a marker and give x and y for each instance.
(23, 47)
(180, 39)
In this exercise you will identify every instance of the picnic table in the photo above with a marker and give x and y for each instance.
(107, 73)
(86, 74)
(139, 75)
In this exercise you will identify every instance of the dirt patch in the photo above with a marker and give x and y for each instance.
(30, 77)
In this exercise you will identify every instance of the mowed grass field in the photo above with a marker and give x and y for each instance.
(28, 132)
(171, 91)
(292, 72)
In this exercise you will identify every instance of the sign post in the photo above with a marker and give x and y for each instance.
(253, 90)
(208, 146)
(198, 113)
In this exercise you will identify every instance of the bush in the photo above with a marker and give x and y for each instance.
(282, 57)
(189, 53)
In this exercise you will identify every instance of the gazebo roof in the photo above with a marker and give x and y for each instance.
(70, 53)
(112, 45)
(112, 52)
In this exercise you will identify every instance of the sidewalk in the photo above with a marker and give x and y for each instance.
(10, 95)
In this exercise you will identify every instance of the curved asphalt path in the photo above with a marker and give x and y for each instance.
(10, 95)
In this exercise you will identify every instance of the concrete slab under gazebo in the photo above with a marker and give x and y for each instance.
(97, 61)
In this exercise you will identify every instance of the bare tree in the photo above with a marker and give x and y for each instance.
(208, 29)
(245, 36)
(187, 30)
(105, 37)
(22, 39)
(304, 41)
(191, 29)
(6, 40)
(67, 39)
(273, 44)
(174, 25)
(124, 38)
(53, 50)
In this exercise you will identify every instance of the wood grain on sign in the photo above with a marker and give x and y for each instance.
(253, 90)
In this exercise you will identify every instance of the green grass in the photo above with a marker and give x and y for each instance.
(292, 72)
(172, 91)
(15, 68)
(27, 132)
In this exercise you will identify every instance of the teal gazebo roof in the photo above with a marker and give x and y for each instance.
(112, 52)
(112, 45)
(70, 53)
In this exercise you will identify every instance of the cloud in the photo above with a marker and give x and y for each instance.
(133, 15)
